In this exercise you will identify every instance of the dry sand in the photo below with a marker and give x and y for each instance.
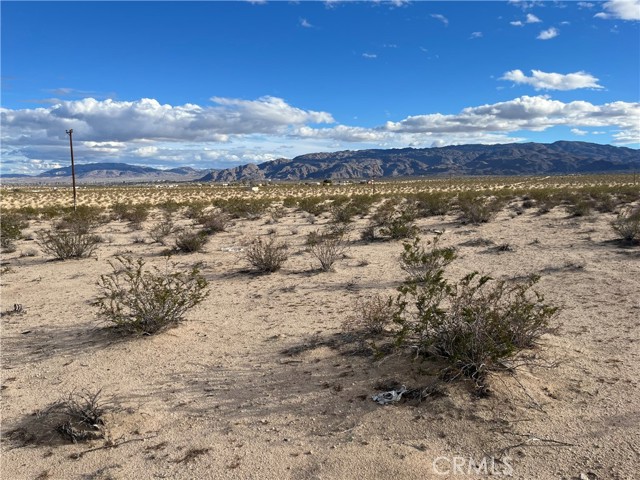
(216, 397)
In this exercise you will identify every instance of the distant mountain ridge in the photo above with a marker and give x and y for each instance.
(503, 159)
(562, 157)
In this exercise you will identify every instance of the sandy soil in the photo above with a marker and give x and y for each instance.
(216, 397)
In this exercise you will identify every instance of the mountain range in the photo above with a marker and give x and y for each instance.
(560, 157)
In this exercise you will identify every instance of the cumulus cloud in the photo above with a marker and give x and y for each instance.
(123, 121)
(577, 131)
(553, 81)
(537, 113)
(621, 10)
(235, 131)
(440, 17)
(548, 34)
(517, 23)
(531, 18)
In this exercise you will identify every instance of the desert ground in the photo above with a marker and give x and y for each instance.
(255, 383)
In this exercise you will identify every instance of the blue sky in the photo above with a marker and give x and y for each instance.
(217, 84)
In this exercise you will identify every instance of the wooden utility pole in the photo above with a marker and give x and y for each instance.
(73, 168)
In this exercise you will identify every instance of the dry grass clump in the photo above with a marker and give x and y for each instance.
(267, 256)
(372, 316)
(146, 301)
(84, 417)
(328, 249)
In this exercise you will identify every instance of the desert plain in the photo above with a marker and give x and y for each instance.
(257, 381)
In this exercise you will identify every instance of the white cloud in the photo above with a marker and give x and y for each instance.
(537, 114)
(476, 35)
(552, 81)
(586, 5)
(517, 23)
(548, 34)
(440, 17)
(621, 10)
(369, 55)
(531, 18)
(236, 131)
(578, 132)
(305, 23)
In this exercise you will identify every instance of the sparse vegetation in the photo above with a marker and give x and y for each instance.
(627, 225)
(63, 245)
(11, 226)
(327, 249)
(190, 241)
(146, 301)
(267, 256)
(475, 325)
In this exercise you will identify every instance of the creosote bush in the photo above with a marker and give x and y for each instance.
(627, 225)
(161, 230)
(267, 256)
(214, 222)
(63, 245)
(146, 301)
(475, 325)
(190, 241)
(11, 226)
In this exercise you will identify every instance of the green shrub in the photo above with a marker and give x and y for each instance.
(82, 220)
(627, 225)
(477, 209)
(475, 325)
(63, 245)
(312, 205)
(11, 226)
(147, 301)
(190, 241)
(214, 222)
(393, 220)
(267, 256)
(432, 203)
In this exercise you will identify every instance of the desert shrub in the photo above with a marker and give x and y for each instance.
(477, 208)
(312, 205)
(147, 301)
(80, 416)
(580, 208)
(432, 203)
(627, 225)
(189, 241)
(135, 214)
(11, 226)
(328, 249)
(195, 210)
(63, 245)
(267, 256)
(161, 230)
(169, 207)
(361, 204)
(372, 316)
(342, 213)
(251, 209)
(421, 263)
(475, 325)
(392, 220)
(289, 202)
(82, 220)
(214, 222)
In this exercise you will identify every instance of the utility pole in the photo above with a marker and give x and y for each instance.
(73, 168)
